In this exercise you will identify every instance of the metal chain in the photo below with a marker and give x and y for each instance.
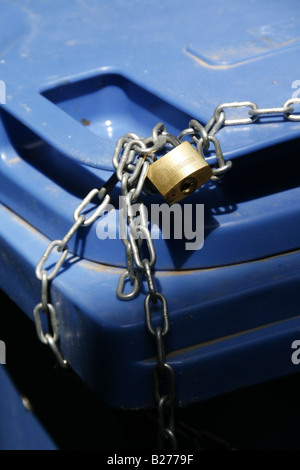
(136, 236)
(203, 135)
(131, 159)
(163, 372)
(45, 306)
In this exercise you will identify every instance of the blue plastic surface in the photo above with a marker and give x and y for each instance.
(128, 85)
(79, 78)
(179, 57)
(232, 317)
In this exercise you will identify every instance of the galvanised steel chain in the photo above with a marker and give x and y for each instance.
(131, 159)
(132, 178)
(45, 306)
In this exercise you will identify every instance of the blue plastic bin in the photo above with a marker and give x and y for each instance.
(76, 77)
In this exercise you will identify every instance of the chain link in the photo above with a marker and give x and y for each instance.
(131, 159)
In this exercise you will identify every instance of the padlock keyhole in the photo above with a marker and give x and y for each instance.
(188, 185)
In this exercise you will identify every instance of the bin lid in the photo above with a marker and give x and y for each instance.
(80, 77)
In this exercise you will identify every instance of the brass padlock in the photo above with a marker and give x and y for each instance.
(179, 173)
